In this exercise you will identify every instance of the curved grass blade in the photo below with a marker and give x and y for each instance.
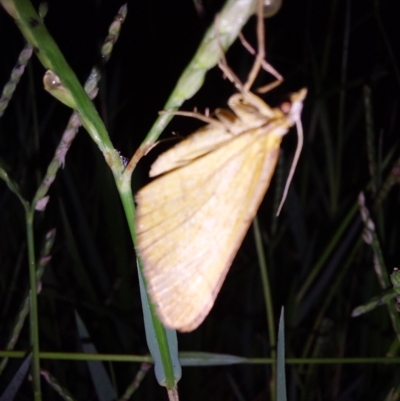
(209, 359)
(101, 381)
(162, 343)
(13, 387)
(281, 376)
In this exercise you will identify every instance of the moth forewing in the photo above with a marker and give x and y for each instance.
(202, 141)
(189, 263)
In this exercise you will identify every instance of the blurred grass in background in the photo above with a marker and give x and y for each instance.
(319, 267)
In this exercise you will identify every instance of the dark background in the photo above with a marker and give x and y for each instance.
(93, 265)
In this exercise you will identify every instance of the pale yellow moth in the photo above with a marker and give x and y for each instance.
(191, 220)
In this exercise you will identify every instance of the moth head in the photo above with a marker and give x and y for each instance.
(297, 99)
(293, 107)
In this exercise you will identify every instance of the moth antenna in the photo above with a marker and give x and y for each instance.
(300, 140)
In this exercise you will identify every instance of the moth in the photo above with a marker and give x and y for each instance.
(192, 218)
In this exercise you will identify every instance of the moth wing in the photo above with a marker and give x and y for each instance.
(196, 145)
(191, 222)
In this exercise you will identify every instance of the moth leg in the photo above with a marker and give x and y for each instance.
(265, 66)
(198, 116)
(223, 64)
(260, 61)
(268, 87)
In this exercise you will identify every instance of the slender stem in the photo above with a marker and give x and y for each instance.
(33, 318)
(268, 303)
(189, 359)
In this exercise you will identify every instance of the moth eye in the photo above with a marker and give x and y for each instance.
(271, 7)
(285, 107)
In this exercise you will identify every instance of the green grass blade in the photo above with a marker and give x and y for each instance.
(14, 385)
(162, 343)
(101, 381)
(209, 359)
(280, 363)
